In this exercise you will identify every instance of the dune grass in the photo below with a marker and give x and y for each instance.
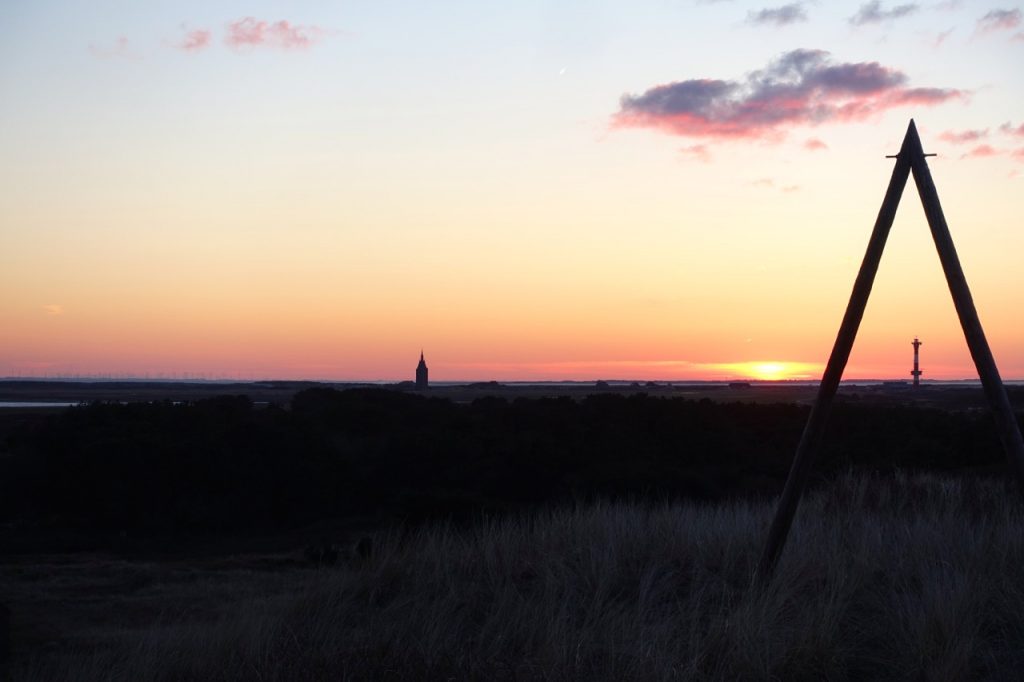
(912, 578)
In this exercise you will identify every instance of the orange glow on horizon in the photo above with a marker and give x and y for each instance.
(772, 370)
(644, 370)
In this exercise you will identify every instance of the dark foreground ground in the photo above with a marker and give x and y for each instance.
(893, 578)
(507, 536)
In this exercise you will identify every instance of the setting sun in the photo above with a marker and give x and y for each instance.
(769, 370)
(772, 370)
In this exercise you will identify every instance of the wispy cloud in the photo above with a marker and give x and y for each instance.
(249, 32)
(874, 13)
(778, 16)
(768, 183)
(800, 88)
(120, 48)
(1010, 130)
(196, 40)
(814, 144)
(942, 37)
(241, 35)
(964, 136)
(1018, 154)
(980, 152)
(999, 20)
(53, 309)
(699, 152)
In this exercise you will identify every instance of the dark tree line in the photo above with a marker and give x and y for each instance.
(223, 465)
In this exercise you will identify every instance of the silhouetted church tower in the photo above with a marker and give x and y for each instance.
(421, 374)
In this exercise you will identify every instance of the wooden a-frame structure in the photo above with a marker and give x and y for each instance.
(911, 159)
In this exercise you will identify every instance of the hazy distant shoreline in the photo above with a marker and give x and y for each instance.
(540, 382)
(50, 394)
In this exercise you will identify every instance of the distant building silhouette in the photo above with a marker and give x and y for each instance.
(421, 374)
(916, 373)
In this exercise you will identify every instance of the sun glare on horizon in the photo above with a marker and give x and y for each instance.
(771, 370)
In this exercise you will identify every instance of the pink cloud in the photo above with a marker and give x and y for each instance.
(980, 152)
(921, 96)
(800, 88)
(196, 40)
(1010, 130)
(814, 144)
(999, 20)
(250, 32)
(963, 137)
(1018, 154)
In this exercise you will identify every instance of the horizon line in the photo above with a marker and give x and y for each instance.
(455, 382)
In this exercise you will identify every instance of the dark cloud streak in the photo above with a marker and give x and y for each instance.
(999, 20)
(778, 16)
(873, 13)
(800, 88)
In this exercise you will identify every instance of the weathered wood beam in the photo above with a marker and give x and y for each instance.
(810, 441)
(1006, 421)
(911, 159)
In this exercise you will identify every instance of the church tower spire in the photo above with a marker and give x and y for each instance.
(421, 374)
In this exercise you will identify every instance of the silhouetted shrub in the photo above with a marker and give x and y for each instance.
(221, 464)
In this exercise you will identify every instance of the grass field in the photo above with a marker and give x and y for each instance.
(905, 578)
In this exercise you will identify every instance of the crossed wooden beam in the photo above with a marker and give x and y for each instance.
(911, 159)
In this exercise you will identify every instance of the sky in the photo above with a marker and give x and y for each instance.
(538, 190)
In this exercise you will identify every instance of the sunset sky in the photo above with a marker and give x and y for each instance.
(652, 189)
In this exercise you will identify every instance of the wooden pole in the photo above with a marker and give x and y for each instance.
(810, 441)
(1006, 420)
(910, 159)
